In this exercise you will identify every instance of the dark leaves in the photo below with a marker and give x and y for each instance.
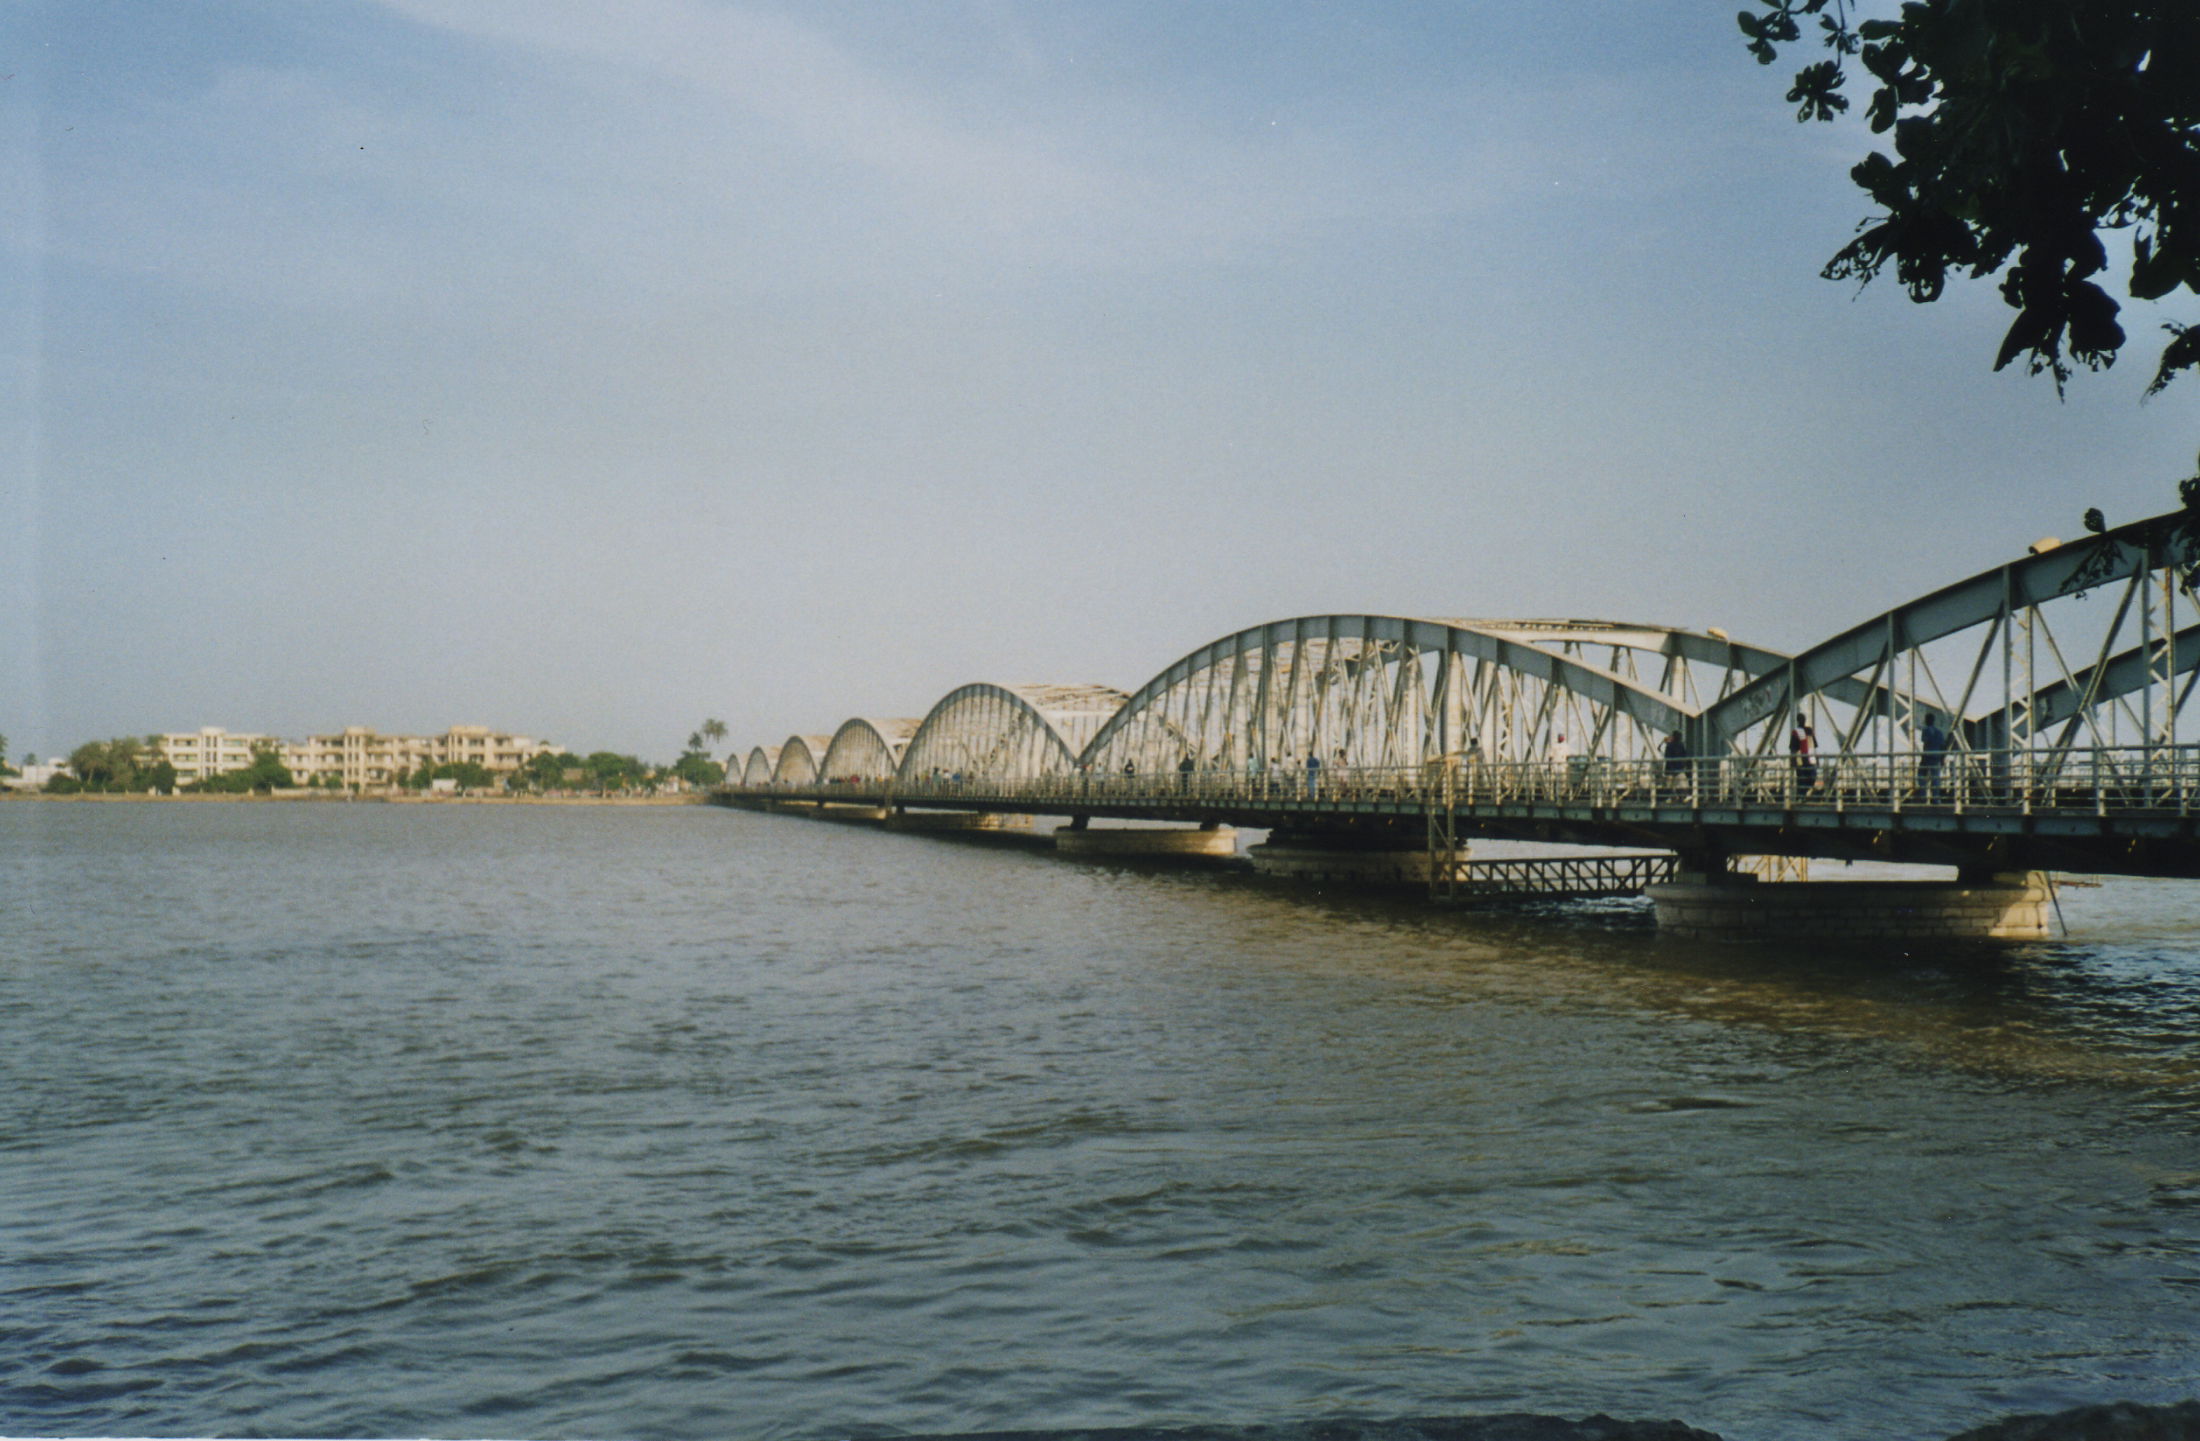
(2156, 272)
(1814, 95)
(2183, 353)
(2021, 129)
(1766, 31)
(2094, 335)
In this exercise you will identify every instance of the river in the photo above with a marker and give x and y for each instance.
(371, 1120)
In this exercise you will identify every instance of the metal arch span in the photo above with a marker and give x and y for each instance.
(2044, 660)
(2065, 672)
(1386, 690)
(798, 760)
(1006, 732)
(867, 749)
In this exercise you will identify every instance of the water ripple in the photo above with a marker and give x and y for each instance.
(680, 1123)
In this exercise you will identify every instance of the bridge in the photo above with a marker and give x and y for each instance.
(2024, 720)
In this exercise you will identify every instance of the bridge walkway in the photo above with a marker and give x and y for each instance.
(2129, 810)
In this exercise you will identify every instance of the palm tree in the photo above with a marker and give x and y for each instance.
(714, 730)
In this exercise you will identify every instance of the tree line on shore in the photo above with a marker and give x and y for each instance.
(130, 765)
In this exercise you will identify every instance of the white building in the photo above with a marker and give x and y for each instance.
(35, 775)
(355, 756)
(208, 751)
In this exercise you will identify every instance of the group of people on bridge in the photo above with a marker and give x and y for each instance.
(1674, 774)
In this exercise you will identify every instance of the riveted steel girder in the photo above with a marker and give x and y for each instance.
(2030, 582)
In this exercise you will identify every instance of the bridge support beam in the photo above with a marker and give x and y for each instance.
(2009, 906)
(1348, 859)
(858, 815)
(950, 821)
(1153, 843)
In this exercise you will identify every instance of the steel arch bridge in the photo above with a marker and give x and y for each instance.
(1006, 733)
(2033, 715)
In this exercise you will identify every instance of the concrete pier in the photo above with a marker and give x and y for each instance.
(1127, 842)
(1348, 865)
(858, 815)
(2013, 906)
(935, 821)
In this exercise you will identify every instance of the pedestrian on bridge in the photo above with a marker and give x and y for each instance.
(1184, 772)
(1313, 773)
(1934, 740)
(1676, 762)
(1803, 747)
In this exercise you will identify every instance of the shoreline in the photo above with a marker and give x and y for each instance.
(326, 798)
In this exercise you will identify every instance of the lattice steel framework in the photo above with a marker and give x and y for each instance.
(1388, 691)
(798, 759)
(1007, 733)
(867, 749)
(2091, 644)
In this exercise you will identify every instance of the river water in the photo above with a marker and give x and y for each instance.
(559, 1122)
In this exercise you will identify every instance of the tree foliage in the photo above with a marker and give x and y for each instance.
(2022, 131)
(266, 773)
(123, 764)
(698, 770)
(546, 770)
(695, 767)
(612, 772)
(470, 775)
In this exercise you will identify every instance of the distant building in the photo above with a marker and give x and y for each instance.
(34, 775)
(355, 756)
(491, 750)
(208, 751)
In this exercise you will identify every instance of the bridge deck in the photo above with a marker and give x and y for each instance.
(2131, 813)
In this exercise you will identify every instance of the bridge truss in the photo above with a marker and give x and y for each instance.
(2035, 713)
(1389, 691)
(2072, 666)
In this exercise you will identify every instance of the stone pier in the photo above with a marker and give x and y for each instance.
(2010, 906)
(1307, 860)
(1146, 843)
(935, 821)
(852, 814)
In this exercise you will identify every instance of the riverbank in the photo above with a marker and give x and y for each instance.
(308, 797)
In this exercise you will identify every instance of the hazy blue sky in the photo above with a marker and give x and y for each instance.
(587, 369)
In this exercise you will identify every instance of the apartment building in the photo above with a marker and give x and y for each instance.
(208, 751)
(356, 756)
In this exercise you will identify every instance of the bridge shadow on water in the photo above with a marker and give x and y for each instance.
(2116, 1001)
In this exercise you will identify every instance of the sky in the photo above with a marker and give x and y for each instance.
(586, 371)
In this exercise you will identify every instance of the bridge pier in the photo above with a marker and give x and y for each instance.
(2003, 906)
(952, 821)
(1127, 842)
(1380, 858)
(852, 814)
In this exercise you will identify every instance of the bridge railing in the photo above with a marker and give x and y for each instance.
(2099, 780)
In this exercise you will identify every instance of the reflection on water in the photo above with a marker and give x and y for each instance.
(551, 1122)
